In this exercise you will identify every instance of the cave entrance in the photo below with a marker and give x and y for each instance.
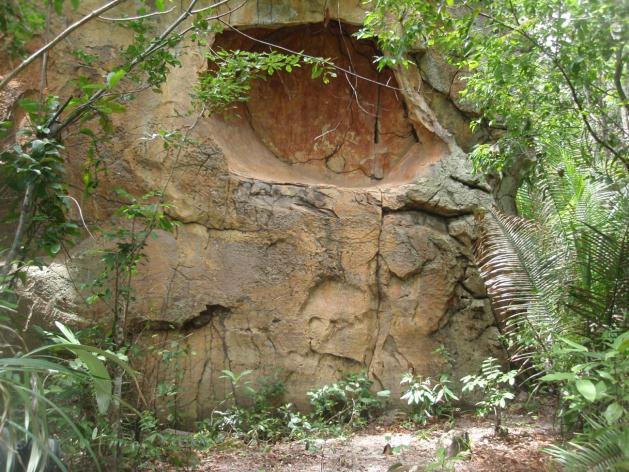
(353, 131)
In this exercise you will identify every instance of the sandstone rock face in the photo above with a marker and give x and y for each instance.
(325, 229)
(352, 131)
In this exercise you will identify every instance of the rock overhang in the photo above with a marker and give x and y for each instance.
(351, 132)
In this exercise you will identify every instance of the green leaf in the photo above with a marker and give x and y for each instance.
(109, 106)
(35, 456)
(96, 368)
(557, 377)
(105, 122)
(576, 346)
(22, 363)
(621, 343)
(316, 71)
(92, 299)
(69, 335)
(160, 5)
(114, 77)
(587, 389)
(100, 376)
(58, 6)
(613, 412)
(29, 105)
(7, 304)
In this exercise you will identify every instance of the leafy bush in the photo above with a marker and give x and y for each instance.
(259, 418)
(152, 443)
(594, 391)
(596, 381)
(229, 80)
(349, 401)
(559, 281)
(257, 415)
(427, 397)
(495, 386)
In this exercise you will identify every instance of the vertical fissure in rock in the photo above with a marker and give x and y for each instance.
(379, 296)
(376, 128)
(410, 124)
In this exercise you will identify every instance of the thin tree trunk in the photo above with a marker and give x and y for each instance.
(118, 338)
(498, 421)
(44, 60)
(23, 223)
(115, 416)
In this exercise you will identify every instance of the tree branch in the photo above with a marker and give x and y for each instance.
(154, 46)
(573, 91)
(139, 17)
(624, 107)
(46, 47)
(209, 7)
(44, 60)
(301, 54)
(25, 211)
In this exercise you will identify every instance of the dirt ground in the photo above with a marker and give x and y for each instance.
(413, 449)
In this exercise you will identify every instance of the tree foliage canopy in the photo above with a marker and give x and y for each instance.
(543, 73)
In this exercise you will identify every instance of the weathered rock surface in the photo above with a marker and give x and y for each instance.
(302, 255)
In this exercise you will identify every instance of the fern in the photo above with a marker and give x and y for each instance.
(519, 267)
(603, 449)
(559, 269)
(558, 274)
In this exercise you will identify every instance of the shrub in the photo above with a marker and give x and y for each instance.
(260, 418)
(593, 389)
(428, 397)
(495, 386)
(349, 401)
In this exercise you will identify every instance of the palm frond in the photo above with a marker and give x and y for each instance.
(560, 268)
(605, 448)
(520, 270)
(601, 295)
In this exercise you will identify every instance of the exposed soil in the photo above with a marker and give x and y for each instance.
(413, 449)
